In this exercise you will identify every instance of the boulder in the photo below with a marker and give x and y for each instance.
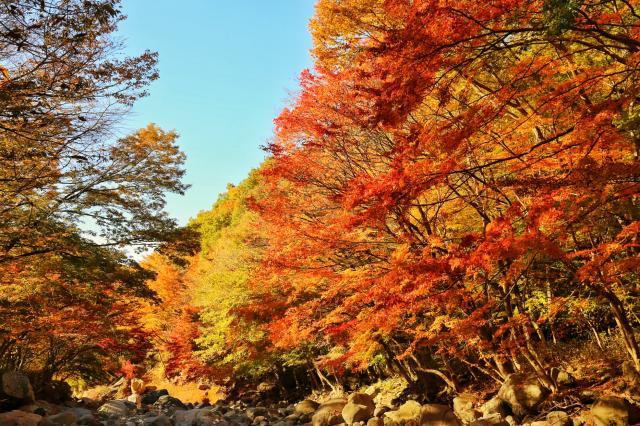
(463, 407)
(559, 418)
(117, 407)
(169, 403)
(523, 393)
(198, 416)
(495, 406)
(19, 418)
(438, 415)
(307, 406)
(353, 412)
(64, 418)
(375, 421)
(362, 399)
(266, 387)
(611, 410)
(15, 390)
(329, 413)
(380, 410)
(151, 397)
(562, 377)
(409, 411)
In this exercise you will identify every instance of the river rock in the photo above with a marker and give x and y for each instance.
(329, 413)
(198, 416)
(523, 393)
(169, 403)
(463, 407)
(438, 415)
(307, 406)
(151, 397)
(495, 406)
(117, 407)
(15, 390)
(494, 419)
(409, 411)
(19, 418)
(611, 410)
(64, 418)
(160, 420)
(353, 412)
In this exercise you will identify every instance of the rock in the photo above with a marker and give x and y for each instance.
(372, 391)
(85, 416)
(199, 417)
(117, 407)
(562, 377)
(135, 398)
(160, 420)
(329, 413)
(166, 402)
(151, 397)
(438, 415)
(380, 410)
(362, 399)
(306, 407)
(252, 412)
(409, 411)
(559, 418)
(259, 419)
(539, 423)
(494, 419)
(19, 418)
(15, 390)
(64, 418)
(495, 406)
(463, 407)
(523, 393)
(353, 412)
(266, 387)
(611, 410)
(375, 421)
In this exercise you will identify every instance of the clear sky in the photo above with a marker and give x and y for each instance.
(226, 70)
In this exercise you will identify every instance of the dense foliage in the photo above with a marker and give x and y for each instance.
(454, 190)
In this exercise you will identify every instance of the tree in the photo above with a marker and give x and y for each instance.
(64, 86)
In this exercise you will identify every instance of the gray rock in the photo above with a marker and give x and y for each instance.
(523, 393)
(151, 397)
(160, 420)
(252, 412)
(329, 413)
(169, 403)
(195, 417)
(117, 408)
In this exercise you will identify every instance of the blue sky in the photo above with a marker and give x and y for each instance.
(226, 70)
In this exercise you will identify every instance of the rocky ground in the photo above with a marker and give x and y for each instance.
(517, 402)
